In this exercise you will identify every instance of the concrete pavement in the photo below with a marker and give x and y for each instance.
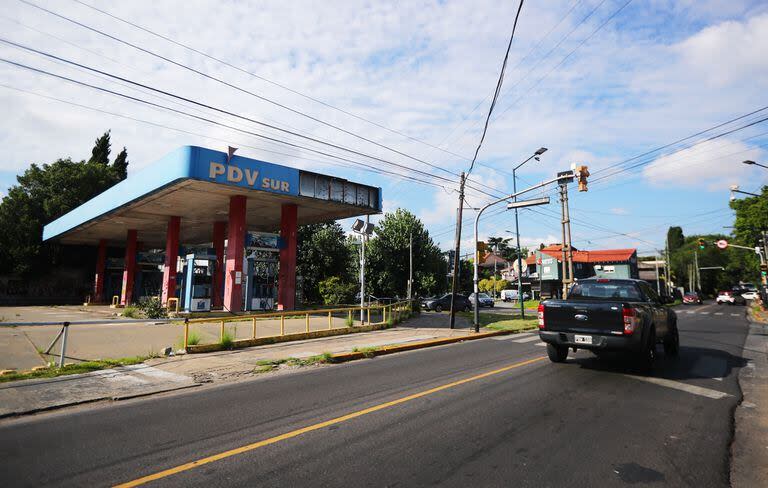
(480, 413)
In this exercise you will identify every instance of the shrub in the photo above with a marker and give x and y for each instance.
(131, 312)
(335, 291)
(226, 341)
(152, 308)
(193, 339)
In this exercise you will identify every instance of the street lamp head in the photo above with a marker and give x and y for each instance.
(748, 161)
(540, 151)
(734, 187)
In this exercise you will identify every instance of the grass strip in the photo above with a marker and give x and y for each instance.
(72, 368)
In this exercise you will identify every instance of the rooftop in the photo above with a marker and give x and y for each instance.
(196, 184)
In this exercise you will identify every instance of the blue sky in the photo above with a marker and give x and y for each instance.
(653, 73)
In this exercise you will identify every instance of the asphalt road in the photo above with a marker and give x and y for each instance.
(524, 422)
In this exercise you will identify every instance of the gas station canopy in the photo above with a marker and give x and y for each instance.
(196, 184)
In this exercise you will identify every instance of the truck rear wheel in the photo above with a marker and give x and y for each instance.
(557, 354)
(648, 355)
(672, 342)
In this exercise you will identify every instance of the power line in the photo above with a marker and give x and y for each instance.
(498, 89)
(267, 80)
(236, 87)
(200, 104)
(239, 144)
(204, 119)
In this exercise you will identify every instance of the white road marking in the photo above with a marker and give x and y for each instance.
(155, 373)
(543, 344)
(718, 313)
(734, 315)
(527, 339)
(704, 313)
(513, 336)
(689, 312)
(694, 390)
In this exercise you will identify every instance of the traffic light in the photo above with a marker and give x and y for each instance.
(581, 174)
(482, 253)
(702, 244)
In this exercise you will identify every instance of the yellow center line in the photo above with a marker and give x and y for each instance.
(295, 433)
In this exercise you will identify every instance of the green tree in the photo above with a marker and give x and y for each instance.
(43, 194)
(751, 218)
(322, 252)
(120, 165)
(675, 238)
(387, 258)
(335, 291)
(101, 149)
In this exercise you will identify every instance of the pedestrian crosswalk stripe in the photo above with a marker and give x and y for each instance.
(734, 315)
(527, 339)
(704, 313)
(541, 344)
(690, 312)
(718, 313)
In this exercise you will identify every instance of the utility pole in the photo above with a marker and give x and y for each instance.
(697, 276)
(566, 247)
(454, 283)
(667, 272)
(410, 265)
(495, 250)
(658, 285)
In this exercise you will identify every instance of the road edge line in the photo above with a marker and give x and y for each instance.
(355, 355)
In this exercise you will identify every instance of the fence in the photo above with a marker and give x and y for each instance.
(229, 330)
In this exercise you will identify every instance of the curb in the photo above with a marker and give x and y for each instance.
(352, 356)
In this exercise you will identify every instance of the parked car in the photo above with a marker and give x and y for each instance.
(750, 295)
(511, 295)
(483, 300)
(444, 303)
(730, 297)
(692, 298)
(602, 314)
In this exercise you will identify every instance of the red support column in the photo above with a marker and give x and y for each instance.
(286, 287)
(233, 280)
(129, 270)
(98, 282)
(171, 258)
(218, 272)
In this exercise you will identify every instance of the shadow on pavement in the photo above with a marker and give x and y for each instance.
(435, 320)
(692, 363)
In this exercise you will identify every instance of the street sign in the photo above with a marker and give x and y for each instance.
(722, 244)
(528, 203)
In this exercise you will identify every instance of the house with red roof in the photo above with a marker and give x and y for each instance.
(603, 263)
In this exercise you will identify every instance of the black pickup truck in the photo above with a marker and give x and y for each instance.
(609, 315)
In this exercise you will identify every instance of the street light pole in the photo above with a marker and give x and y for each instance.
(536, 155)
(752, 163)
(513, 197)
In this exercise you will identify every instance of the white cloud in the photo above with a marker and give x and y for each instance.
(713, 165)
(721, 54)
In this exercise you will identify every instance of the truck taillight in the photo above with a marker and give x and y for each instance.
(541, 316)
(630, 320)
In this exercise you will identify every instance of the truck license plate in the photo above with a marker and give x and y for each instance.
(583, 339)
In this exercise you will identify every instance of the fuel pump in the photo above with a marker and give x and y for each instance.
(197, 288)
(261, 267)
(149, 274)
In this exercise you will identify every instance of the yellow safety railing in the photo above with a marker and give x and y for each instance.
(175, 301)
(302, 320)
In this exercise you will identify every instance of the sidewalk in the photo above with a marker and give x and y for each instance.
(164, 374)
(749, 451)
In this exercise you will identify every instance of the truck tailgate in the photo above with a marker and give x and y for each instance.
(585, 316)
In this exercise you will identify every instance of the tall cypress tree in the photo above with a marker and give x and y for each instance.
(120, 165)
(101, 149)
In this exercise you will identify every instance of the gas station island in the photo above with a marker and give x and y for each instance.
(208, 229)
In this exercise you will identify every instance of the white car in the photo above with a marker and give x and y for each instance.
(725, 297)
(750, 295)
